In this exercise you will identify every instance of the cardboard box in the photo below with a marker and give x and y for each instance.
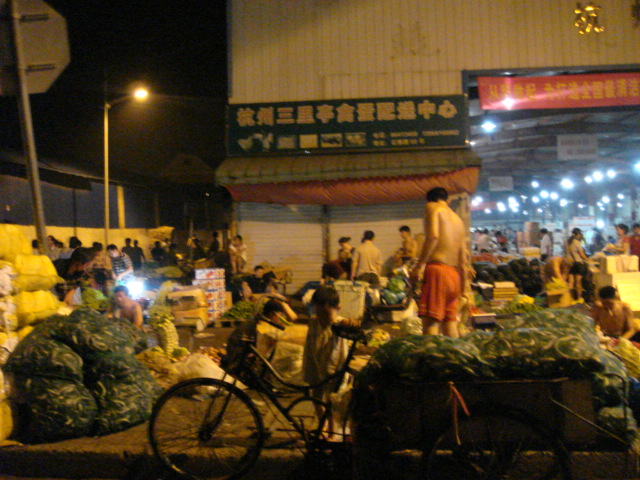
(209, 273)
(190, 317)
(184, 300)
(204, 284)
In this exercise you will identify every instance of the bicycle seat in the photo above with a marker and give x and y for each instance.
(350, 332)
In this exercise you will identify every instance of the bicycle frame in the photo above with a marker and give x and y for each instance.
(265, 387)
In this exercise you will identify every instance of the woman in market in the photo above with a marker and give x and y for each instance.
(622, 245)
(578, 262)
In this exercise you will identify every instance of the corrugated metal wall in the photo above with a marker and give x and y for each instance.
(283, 236)
(314, 49)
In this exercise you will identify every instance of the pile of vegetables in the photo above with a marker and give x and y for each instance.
(161, 320)
(523, 273)
(396, 290)
(240, 311)
(519, 304)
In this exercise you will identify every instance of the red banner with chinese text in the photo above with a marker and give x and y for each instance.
(563, 91)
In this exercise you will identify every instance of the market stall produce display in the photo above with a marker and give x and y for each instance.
(523, 273)
(537, 345)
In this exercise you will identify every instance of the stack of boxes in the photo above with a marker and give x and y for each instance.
(211, 280)
(504, 291)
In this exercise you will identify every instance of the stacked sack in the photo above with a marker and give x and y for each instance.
(25, 284)
(78, 375)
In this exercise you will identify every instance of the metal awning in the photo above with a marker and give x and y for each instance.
(275, 169)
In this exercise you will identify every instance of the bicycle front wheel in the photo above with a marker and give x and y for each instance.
(496, 443)
(205, 429)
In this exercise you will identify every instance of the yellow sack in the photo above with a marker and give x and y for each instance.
(24, 331)
(6, 421)
(35, 306)
(13, 242)
(35, 272)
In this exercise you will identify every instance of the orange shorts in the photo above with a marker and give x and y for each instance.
(440, 292)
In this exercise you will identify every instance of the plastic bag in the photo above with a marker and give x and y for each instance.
(13, 242)
(34, 306)
(198, 365)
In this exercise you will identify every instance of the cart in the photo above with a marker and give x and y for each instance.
(482, 429)
(378, 312)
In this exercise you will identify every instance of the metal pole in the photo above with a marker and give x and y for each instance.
(26, 125)
(106, 173)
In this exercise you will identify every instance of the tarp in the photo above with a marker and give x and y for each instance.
(357, 179)
(363, 191)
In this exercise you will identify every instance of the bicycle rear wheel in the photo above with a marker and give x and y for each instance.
(496, 443)
(205, 429)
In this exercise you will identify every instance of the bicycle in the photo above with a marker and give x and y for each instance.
(207, 428)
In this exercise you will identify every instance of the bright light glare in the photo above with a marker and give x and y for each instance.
(141, 93)
(553, 196)
(535, 199)
(637, 166)
(611, 173)
(544, 194)
(488, 126)
(535, 183)
(606, 199)
(580, 205)
(620, 196)
(508, 102)
(136, 287)
(597, 176)
(566, 183)
(487, 211)
(600, 224)
(501, 207)
(539, 210)
(619, 205)
(477, 201)
(563, 202)
(588, 179)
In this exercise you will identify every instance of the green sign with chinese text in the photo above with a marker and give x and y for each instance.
(341, 126)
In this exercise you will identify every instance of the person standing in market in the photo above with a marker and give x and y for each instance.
(546, 244)
(634, 240)
(578, 263)
(128, 248)
(408, 251)
(367, 260)
(120, 264)
(445, 259)
(345, 255)
(214, 247)
(238, 254)
(137, 256)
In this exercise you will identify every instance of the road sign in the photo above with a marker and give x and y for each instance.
(44, 41)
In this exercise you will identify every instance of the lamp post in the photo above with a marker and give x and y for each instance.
(140, 94)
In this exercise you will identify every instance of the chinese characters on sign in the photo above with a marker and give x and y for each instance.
(578, 147)
(347, 125)
(563, 91)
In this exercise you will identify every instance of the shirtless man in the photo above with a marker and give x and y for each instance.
(408, 251)
(126, 308)
(446, 258)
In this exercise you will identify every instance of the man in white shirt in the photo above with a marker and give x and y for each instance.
(367, 260)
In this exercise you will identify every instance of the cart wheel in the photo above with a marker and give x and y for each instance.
(496, 443)
(206, 429)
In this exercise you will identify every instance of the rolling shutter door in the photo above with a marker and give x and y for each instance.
(283, 236)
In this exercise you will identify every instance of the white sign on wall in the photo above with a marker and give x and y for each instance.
(500, 184)
(577, 147)
(583, 223)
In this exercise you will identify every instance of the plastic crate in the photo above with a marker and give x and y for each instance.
(352, 298)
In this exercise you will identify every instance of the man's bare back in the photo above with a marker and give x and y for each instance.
(444, 245)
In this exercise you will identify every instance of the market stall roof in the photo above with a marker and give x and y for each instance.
(349, 179)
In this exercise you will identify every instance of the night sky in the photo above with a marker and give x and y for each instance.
(175, 48)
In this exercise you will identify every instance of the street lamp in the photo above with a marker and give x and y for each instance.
(140, 94)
